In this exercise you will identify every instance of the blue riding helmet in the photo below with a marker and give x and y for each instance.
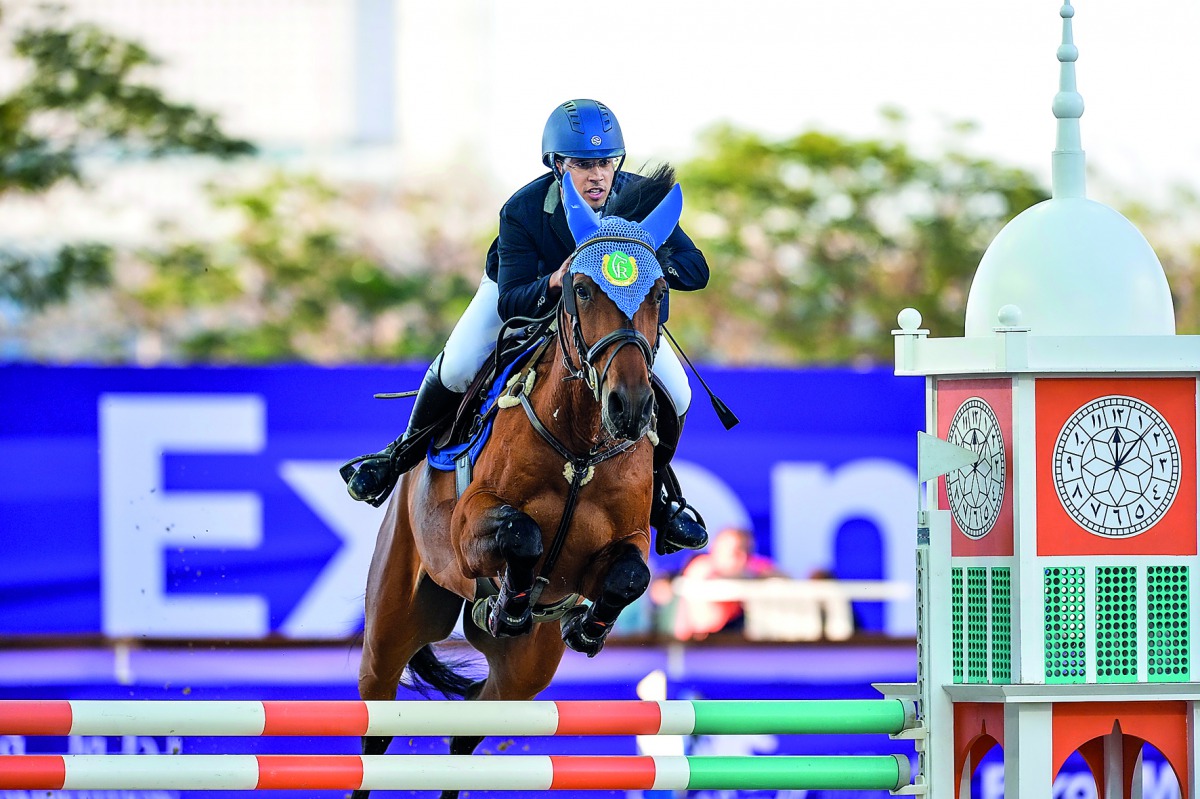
(582, 129)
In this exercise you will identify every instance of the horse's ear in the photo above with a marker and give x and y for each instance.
(582, 220)
(660, 222)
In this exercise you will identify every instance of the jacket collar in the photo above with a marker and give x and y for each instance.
(558, 217)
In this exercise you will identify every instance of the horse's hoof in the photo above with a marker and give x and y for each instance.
(575, 634)
(502, 625)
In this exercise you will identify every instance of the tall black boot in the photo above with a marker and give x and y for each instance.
(377, 473)
(677, 524)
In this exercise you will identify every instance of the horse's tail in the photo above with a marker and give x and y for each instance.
(429, 672)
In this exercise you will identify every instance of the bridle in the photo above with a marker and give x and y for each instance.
(579, 467)
(623, 336)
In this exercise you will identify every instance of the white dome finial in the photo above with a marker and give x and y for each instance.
(1067, 162)
(1074, 267)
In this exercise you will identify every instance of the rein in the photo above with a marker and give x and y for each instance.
(579, 468)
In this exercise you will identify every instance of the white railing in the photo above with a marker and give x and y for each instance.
(783, 609)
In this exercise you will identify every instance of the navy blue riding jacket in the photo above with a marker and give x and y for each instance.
(534, 241)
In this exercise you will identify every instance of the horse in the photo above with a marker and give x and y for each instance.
(556, 516)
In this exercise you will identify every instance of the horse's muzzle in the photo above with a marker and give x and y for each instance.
(627, 411)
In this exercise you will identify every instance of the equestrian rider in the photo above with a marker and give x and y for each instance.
(523, 277)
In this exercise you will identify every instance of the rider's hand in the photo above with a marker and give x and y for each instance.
(556, 278)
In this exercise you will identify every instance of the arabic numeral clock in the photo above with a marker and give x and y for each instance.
(1116, 466)
(976, 492)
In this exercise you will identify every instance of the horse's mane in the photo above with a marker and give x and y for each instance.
(638, 198)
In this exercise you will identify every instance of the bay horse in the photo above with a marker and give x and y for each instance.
(582, 451)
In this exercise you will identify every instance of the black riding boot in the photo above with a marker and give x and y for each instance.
(677, 524)
(377, 474)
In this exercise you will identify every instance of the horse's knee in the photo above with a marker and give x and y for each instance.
(518, 536)
(627, 580)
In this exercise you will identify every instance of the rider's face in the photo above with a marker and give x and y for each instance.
(593, 178)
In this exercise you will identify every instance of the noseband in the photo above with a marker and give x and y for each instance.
(622, 337)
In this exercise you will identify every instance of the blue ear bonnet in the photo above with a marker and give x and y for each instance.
(624, 270)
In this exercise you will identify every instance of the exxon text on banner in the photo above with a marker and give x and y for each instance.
(205, 502)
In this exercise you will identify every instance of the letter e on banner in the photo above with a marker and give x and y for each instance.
(139, 520)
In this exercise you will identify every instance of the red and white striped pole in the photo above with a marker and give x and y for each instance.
(449, 772)
(313, 718)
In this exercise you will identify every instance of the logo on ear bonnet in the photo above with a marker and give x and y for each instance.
(619, 269)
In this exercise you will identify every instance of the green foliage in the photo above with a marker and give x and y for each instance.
(817, 241)
(82, 94)
(1170, 229)
(83, 91)
(290, 284)
(42, 280)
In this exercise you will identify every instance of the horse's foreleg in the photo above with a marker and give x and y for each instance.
(520, 542)
(584, 627)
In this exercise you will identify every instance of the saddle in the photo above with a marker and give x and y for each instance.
(458, 444)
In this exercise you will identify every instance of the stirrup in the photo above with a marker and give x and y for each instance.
(372, 482)
(377, 474)
(671, 530)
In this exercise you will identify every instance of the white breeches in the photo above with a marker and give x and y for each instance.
(474, 339)
(669, 370)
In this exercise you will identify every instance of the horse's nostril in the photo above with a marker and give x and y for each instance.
(647, 408)
(616, 405)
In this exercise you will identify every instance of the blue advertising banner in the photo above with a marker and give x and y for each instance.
(205, 502)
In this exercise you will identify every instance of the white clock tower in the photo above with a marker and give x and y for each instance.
(1057, 568)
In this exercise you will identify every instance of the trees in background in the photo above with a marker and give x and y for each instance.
(818, 240)
(82, 92)
(1172, 230)
(295, 275)
(295, 279)
(815, 241)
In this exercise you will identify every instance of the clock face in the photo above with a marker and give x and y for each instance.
(976, 492)
(1116, 466)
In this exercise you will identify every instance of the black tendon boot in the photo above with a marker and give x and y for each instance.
(377, 474)
(677, 524)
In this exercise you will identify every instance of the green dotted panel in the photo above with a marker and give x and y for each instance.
(1066, 647)
(977, 623)
(1116, 624)
(956, 622)
(1001, 626)
(1167, 624)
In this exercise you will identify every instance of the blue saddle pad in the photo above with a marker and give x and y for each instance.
(443, 459)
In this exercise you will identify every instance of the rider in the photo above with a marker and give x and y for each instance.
(523, 277)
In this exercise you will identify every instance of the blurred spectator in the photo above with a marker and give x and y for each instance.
(730, 557)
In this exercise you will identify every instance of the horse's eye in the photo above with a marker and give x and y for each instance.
(659, 296)
(582, 293)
